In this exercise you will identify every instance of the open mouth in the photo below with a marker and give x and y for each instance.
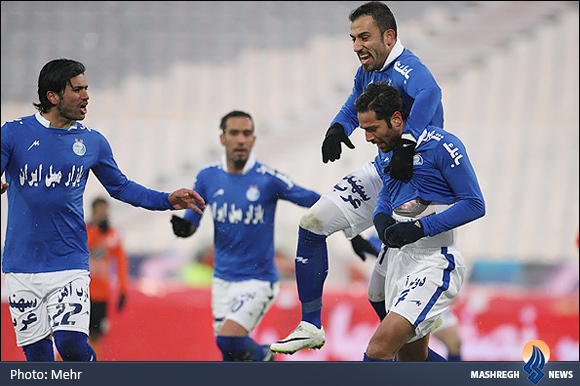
(364, 58)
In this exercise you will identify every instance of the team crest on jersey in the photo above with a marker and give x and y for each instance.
(79, 147)
(253, 193)
(417, 159)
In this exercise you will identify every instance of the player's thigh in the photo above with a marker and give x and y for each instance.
(348, 206)
(28, 307)
(69, 304)
(423, 285)
(245, 302)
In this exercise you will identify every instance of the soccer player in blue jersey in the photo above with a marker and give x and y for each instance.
(242, 194)
(416, 221)
(350, 204)
(47, 158)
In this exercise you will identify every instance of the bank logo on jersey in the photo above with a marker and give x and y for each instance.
(253, 193)
(51, 177)
(79, 147)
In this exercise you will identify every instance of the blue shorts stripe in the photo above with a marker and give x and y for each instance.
(443, 287)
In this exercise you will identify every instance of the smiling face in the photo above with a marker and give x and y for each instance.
(70, 104)
(386, 134)
(371, 47)
(238, 138)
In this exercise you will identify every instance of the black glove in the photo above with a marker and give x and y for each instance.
(362, 245)
(181, 226)
(121, 302)
(331, 146)
(403, 233)
(382, 221)
(401, 166)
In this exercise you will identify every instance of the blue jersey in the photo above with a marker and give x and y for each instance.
(47, 169)
(442, 173)
(243, 208)
(419, 90)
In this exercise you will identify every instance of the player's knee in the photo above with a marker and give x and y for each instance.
(312, 223)
(39, 351)
(378, 350)
(74, 346)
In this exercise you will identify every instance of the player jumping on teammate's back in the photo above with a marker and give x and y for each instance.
(350, 204)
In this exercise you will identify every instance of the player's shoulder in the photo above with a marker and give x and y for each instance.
(273, 174)
(17, 123)
(210, 169)
(438, 138)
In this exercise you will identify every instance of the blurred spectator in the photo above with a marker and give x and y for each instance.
(106, 250)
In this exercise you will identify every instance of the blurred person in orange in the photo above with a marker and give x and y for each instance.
(105, 251)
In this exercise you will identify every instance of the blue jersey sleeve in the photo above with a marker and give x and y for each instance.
(347, 116)
(121, 188)
(6, 146)
(200, 187)
(426, 95)
(288, 190)
(383, 204)
(456, 168)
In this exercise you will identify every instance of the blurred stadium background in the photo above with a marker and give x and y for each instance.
(162, 74)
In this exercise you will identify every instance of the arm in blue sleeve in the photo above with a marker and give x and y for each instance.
(462, 179)
(200, 187)
(121, 188)
(426, 95)
(5, 147)
(288, 190)
(347, 116)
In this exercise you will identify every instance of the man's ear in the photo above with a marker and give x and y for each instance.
(389, 37)
(223, 139)
(397, 119)
(53, 97)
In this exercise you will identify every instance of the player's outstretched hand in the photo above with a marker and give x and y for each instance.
(401, 166)
(187, 199)
(4, 187)
(181, 226)
(331, 146)
(362, 245)
(403, 233)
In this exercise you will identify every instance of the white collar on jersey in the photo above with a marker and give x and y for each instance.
(247, 167)
(395, 53)
(46, 123)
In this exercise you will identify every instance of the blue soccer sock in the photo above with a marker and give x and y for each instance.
(311, 271)
(240, 348)
(379, 308)
(39, 351)
(432, 356)
(74, 346)
(454, 358)
(366, 358)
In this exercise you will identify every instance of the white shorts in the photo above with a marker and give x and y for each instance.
(355, 197)
(244, 302)
(421, 284)
(448, 319)
(41, 303)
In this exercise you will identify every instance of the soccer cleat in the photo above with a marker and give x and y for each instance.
(305, 336)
